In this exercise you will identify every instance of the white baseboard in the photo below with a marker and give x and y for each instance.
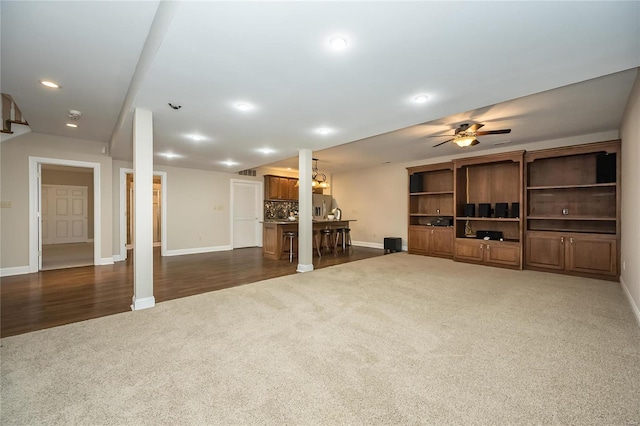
(304, 268)
(118, 257)
(16, 270)
(634, 306)
(106, 261)
(142, 303)
(197, 250)
(367, 244)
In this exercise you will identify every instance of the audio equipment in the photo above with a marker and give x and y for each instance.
(606, 168)
(470, 210)
(492, 235)
(442, 221)
(501, 209)
(415, 183)
(484, 210)
(515, 210)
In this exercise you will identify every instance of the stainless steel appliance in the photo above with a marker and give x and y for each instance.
(321, 206)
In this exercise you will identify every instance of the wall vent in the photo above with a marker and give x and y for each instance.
(248, 172)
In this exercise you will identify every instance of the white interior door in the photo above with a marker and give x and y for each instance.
(64, 214)
(246, 214)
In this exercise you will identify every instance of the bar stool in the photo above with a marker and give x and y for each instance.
(289, 235)
(326, 239)
(343, 234)
(317, 240)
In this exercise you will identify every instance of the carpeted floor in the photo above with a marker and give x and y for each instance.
(398, 339)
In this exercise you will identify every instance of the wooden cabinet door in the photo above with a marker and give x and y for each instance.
(292, 189)
(419, 240)
(545, 251)
(592, 254)
(442, 242)
(502, 253)
(273, 188)
(471, 250)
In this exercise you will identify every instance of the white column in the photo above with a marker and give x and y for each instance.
(305, 214)
(143, 210)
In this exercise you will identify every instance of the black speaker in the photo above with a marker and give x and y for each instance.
(501, 209)
(606, 168)
(470, 210)
(515, 210)
(484, 210)
(415, 183)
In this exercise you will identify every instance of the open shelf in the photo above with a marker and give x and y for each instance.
(431, 193)
(490, 219)
(590, 218)
(592, 185)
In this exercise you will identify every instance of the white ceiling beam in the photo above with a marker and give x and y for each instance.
(164, 15)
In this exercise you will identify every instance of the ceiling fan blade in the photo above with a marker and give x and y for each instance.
(439, 136)
(442, 143)
(494, 132)
(475, 127)
(475, 142)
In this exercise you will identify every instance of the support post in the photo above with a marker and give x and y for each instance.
(143, 210)
(305, 214)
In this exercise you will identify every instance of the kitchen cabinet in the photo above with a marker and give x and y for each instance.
(489, 180)
(573, 209)
(494, 253)
(430, 200)
(575, 253)
(280, 188)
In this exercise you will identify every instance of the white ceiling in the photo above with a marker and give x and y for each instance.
(478, 57)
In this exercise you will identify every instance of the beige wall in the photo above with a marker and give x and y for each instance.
(377, 197)
(15, 188)
(630, 133)
(73, 178)
(197, 207)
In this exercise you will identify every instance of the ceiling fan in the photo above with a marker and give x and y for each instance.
(466, 134)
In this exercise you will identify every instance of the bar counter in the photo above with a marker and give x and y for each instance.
(272, 233)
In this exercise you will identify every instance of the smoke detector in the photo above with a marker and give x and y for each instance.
(74, 114)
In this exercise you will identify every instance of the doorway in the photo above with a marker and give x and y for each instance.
(157, 210)
(65, 219)
(126, 212)
(246, 213)
(67, 234)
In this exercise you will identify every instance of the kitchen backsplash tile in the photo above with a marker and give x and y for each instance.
(279, 209)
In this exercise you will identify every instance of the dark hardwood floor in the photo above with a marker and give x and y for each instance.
(51, 298)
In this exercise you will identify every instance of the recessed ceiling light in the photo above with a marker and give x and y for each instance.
(50, 84)
(338, 43)
(266, 150)
(420, 99)
(243, 106)
(72, 125)
(323, 130)
(196, 138)
(229, 163)
(169, 155)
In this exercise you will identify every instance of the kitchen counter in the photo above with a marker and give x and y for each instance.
(272, 244)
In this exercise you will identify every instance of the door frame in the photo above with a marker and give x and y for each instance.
(35, 247)
(259, 208)
(123, 211)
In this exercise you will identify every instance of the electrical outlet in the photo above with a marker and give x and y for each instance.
(5, 204)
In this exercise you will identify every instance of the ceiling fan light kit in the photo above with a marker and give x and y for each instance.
(466, 135)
